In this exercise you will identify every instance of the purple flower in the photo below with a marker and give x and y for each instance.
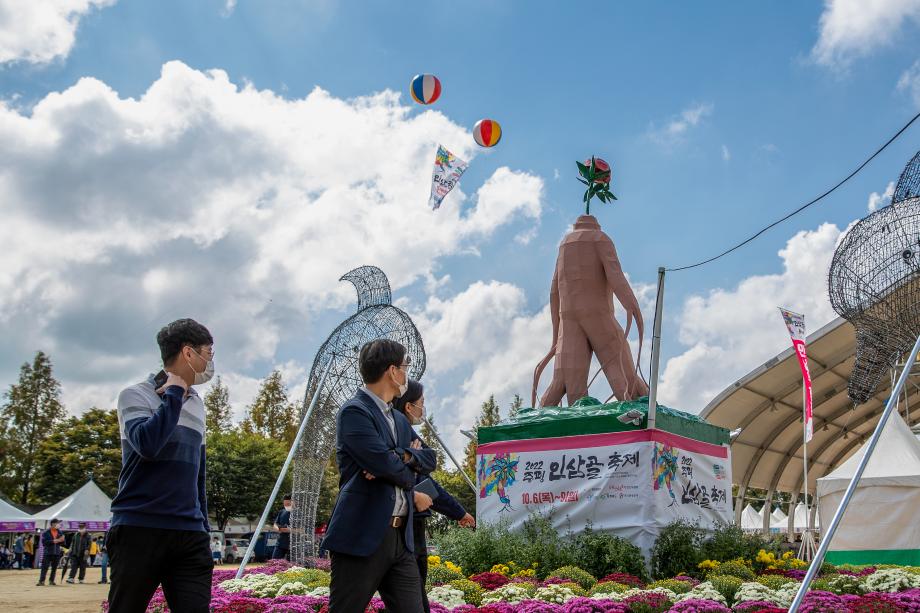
(538, 606)
(699, 605)
(587, 605)
(753, 605)
(818, 601)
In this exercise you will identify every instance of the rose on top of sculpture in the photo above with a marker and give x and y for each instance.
(595, 173)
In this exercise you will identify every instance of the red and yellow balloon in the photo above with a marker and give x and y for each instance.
(487, 132)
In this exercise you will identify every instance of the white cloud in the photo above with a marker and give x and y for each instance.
(228, 204)
(910, 82)
(229, 7)
(728, 332)
(877, 201)
(675, 130)
(40, 31)
(850, 29)
(726, 154)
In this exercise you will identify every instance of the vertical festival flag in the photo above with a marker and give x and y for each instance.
(448, 169)
(796, 325)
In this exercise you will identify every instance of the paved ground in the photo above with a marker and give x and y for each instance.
(19, 593)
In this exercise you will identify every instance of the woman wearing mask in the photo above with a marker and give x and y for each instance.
(412, 405)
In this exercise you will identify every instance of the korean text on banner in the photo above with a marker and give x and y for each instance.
(796, 325)
(448, 169)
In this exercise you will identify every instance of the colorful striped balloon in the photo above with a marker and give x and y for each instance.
(487, 132)
(425, 88)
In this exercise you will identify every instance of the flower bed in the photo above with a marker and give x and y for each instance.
(279, 587)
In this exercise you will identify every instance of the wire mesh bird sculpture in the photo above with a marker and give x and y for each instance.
(376, 318)
(874, 283)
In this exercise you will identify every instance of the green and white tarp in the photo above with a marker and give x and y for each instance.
(880, 524)
(599, 464)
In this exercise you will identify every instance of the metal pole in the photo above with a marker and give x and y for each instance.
(450, 455)
(851, 488)
(656, 351)
(284, 469)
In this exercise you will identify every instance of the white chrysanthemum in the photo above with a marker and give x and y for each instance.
(755, 591)
(510, 593)
(890, 580)
(294, 587)
(705, 591)
(558, 594)
(446, 596)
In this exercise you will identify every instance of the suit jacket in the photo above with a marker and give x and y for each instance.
(51, 548)
(79, 545)
(364, 507)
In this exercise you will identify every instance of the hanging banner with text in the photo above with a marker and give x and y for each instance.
(629, 483)
(795, 323)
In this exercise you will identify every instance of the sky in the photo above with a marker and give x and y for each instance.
(230, 160)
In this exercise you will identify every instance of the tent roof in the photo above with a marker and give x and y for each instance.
(763, 410)
(751, 519)
(10, 513)
(89, 503)
(895, 461)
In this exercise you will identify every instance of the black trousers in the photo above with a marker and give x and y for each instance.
(421, 558)
(144, 558)
(391, 570)
(76, 563)
(48, 560)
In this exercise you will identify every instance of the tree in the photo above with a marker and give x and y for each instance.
(272, 414)
(33, 407)
(428, 435)
(516, 405)
(456, 486)
(328, 492)
(488, 416)
(217, 408)
(241, 472)
(80, 449)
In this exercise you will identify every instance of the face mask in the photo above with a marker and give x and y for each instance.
(202, 377)
(410, 413)
(288, 507)
(403, 387)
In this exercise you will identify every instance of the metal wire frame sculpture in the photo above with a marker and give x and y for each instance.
(874, 283)
(376, 318)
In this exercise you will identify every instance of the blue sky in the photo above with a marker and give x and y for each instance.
(716, 117)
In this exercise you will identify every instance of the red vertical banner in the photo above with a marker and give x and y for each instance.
(795, 323)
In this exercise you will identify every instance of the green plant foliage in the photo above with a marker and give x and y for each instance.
(733, 568)
(730, 542)
(678, 587)
(678, 550)
(845, 584)
(774, 582)
(609, 587)
(439, 575)
(472, 592)
(727, 585)
(601, 553)
(827, 569)
(583, 578)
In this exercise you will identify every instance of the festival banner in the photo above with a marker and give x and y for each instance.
(795, 323)
(630, 483)
(17, 526)
(91, 526)
(448, 169)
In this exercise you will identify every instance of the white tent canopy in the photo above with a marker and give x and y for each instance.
(880, 522)
(800, 521)
(88, 504)
(778, 520)
(14, 520)
(751, 520)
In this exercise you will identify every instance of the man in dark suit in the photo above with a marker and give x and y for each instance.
(370, 534)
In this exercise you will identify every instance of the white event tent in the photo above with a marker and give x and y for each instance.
(88, 504)
(14, 520)
(751, 520)
(879, 525)
(778, 521)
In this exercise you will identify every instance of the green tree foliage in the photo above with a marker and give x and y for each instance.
(328, 492)
(81, 448)
(488, 416)
(271, 413)
(217, 408)
(241, 472)
(516, 405)
(33, 408)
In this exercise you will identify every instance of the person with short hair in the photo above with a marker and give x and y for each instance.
(159, 531)
(18, 550)
(79, 550)
(52, 542)
(282, 550)
(104, 561)
(217, 551)
(370, 533)
(93, 549)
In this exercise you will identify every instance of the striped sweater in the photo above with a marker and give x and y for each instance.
(162, 480)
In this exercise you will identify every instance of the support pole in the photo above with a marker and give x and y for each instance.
(284, 469)
(656, 351)
(828, 535)
(450, 455)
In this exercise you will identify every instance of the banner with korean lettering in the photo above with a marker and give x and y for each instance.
(795, 323)
(630, 483)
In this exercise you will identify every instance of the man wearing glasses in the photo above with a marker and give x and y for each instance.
(159, 532)
(370, 534)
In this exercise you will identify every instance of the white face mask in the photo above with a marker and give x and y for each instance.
(403, 387)
(202, 377)
(414, 414)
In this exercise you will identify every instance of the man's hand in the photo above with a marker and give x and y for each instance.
(416, 444)
(173, 379)
(369, 476)
(468, 521)
(423, 501)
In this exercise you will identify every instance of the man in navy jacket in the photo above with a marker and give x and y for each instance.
(370, 534)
